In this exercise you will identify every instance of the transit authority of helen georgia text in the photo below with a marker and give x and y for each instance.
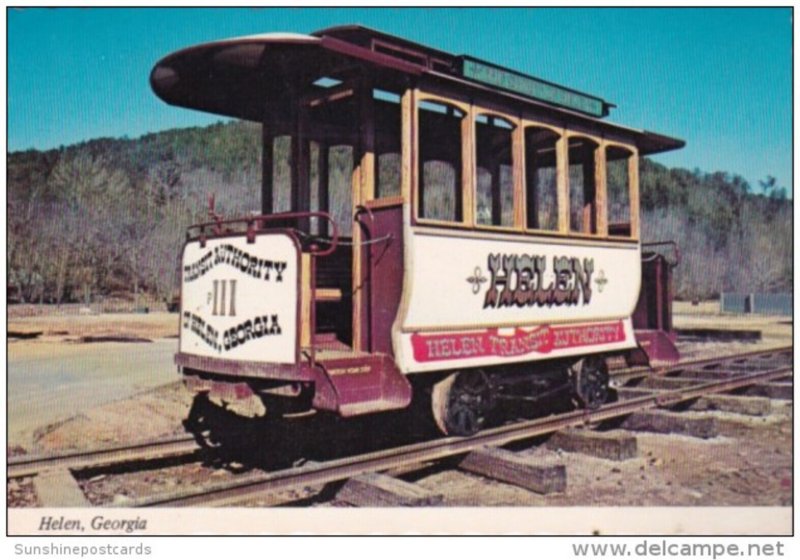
(664, 548)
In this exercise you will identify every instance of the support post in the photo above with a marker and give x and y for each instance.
(589, 221)
(408, 145)
(562, 182)
(600, 191)
(518, 174)
(363, 190)
(267, 165)
(468, 168)
(323, 191)
(633, 178)
(301, 199)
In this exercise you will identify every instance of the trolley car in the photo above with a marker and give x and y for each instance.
(430, 223)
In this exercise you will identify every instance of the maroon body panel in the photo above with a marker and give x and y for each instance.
(239, 368)
(654, 308)
(656, 349)
(385, 261)
(348, 385)
(652, 318)
(361, 384)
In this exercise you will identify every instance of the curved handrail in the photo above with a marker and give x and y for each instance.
(361, 209)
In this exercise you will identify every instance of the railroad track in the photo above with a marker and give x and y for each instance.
(756, 356)
(768, 366)
(712, 375)
(29, 465)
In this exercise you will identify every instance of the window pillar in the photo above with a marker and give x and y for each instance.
(469, 183)
(518, 174)
(601, 199)
(633, 178)
(562, 178)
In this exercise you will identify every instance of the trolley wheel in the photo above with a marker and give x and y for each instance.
(461, 401)
(590, 382)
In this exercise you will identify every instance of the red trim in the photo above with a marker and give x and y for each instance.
(240, 368)
(541, 340)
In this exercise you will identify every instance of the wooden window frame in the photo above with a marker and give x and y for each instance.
(562, 188)
(410, 103)
(467, 164)
(516, 176)
(600, 212)
(633, 188)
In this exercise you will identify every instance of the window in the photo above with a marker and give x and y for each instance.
(331, 187)
(619, 191)
(541, 194)
(332, 123)
(440, 162)
(327, 83)
(387, 143)
(282, 174)
(495, 188)
(582, 191)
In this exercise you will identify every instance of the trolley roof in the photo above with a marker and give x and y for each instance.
(241, 77)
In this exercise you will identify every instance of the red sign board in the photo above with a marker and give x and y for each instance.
(542, 340)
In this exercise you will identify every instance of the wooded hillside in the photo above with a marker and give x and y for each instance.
(108, 217)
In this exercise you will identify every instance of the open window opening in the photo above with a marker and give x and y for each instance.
(582, 186)
(281, 174)
(331, 134)
(440, 194)
(541, 178)
(619, 191)
(495, 180)
(388, 124)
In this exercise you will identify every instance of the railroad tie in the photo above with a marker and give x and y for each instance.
(625, 393)
(543, 476)
(749, 406)
(669, 383)
(698, 375)
(665, 422)
(778, 391)
(379, 490)
(58, 488)
(615, 445)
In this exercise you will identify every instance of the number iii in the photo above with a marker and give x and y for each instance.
(219, 297)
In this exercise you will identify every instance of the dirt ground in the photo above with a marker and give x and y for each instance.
(64, 328)
(66, 393)
(750, 464)
(670, 470)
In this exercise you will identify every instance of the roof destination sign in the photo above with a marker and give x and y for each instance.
(529, 86)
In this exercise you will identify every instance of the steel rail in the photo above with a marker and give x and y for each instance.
(340, 469)
(642, 371)
(29, 465)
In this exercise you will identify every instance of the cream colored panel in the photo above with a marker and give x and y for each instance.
(239, 299)
(493, 297)
(454, 281)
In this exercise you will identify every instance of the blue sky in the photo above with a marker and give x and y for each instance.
(718, 78)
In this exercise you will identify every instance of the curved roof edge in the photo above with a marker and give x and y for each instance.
(190, 78)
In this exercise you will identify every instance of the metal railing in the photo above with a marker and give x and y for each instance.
(256, 223)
